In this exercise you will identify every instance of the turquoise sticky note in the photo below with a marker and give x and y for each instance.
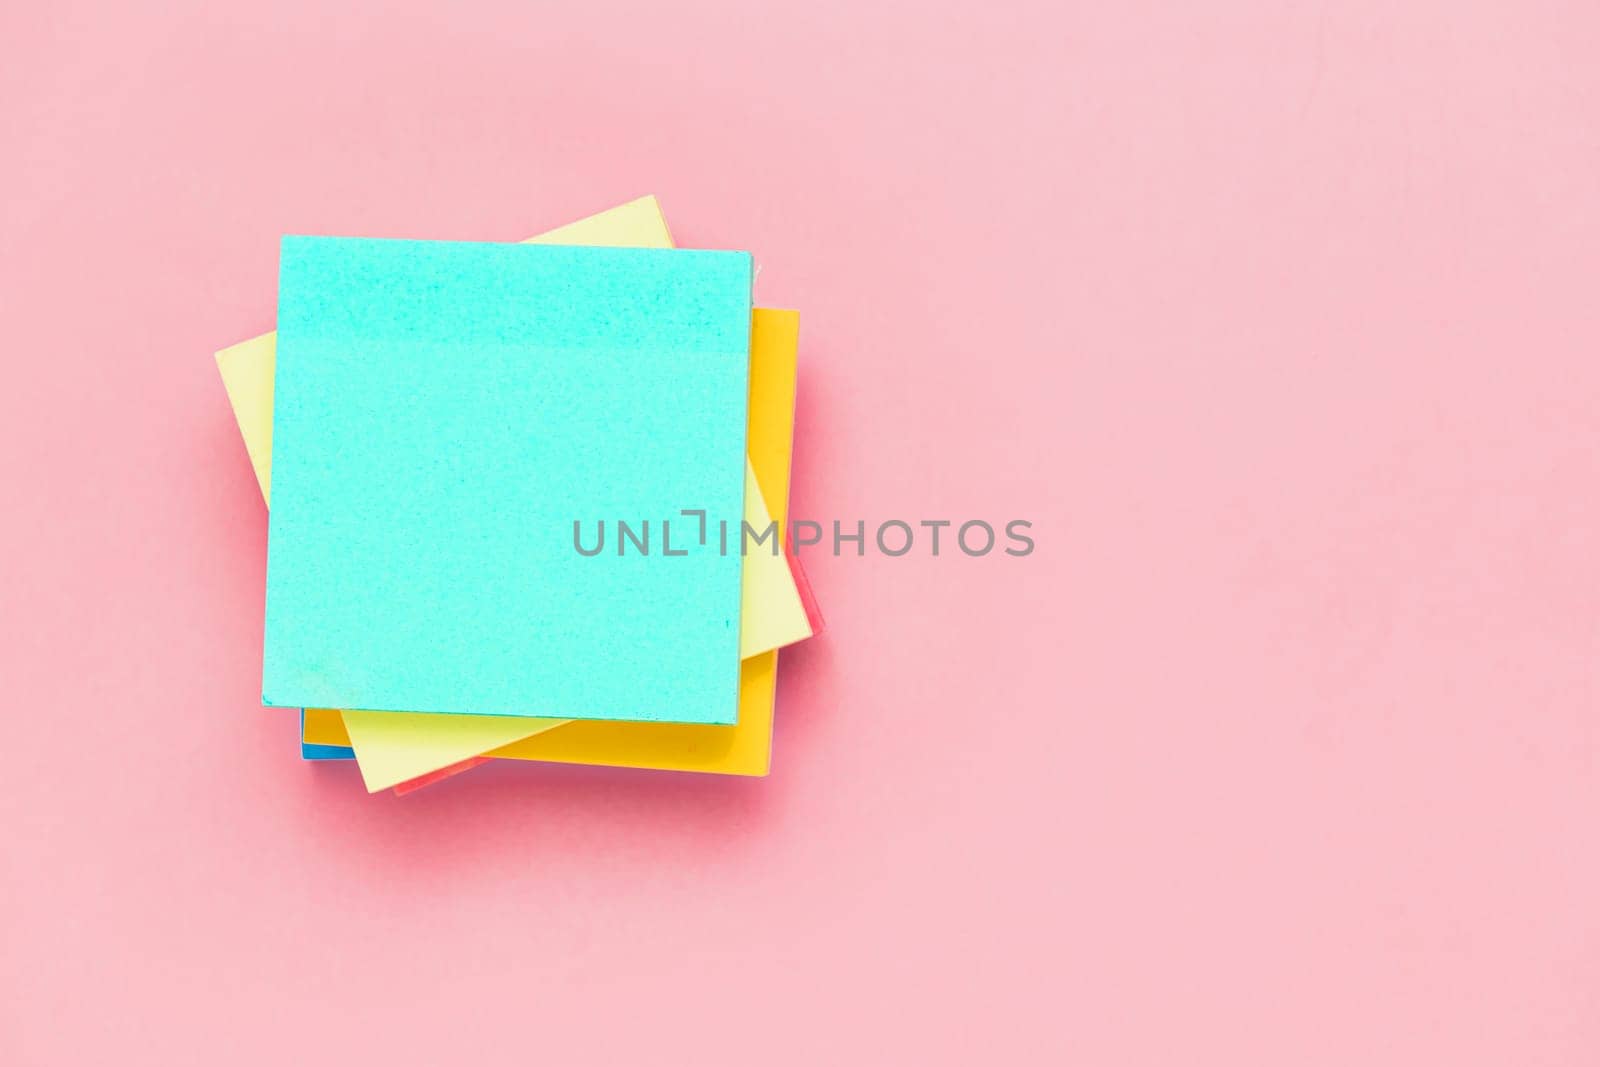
(445, 413)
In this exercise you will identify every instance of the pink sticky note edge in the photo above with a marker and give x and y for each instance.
(423, 781)
(808, 599)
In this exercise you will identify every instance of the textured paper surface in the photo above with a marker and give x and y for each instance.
(420, 552)
(774, 613)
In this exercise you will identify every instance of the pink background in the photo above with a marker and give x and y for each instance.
(1278, 321)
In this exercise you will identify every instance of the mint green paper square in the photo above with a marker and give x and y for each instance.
(444, 413)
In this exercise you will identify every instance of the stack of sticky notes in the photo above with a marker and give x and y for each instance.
(528, 501)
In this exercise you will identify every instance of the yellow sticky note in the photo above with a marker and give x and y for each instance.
(248, 370)
(771, 607)
(772, 614)
(392, 748)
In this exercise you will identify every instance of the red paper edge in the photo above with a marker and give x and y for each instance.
(422, 781)
(808, 599)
